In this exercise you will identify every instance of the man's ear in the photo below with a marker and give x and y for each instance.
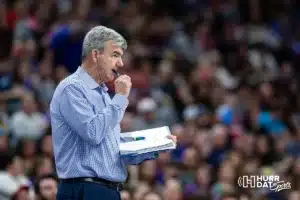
(94, 55)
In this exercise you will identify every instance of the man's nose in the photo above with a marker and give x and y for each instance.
(120, 63)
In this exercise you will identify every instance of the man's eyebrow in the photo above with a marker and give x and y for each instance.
(117, 52)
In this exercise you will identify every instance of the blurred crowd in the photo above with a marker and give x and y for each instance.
(222, 74)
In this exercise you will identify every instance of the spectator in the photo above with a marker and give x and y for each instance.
(125, 195)
(46, 187)
(229, 196)
(27, 148)
(13, 178)
(65, 45)
(44, 165)
(173, 190)
(294, 195)
(152, 196)
(147, 117)
(140, 190)
(201, 183)
(46, 145)
(22, 194)
(148, 172)
(28, 122)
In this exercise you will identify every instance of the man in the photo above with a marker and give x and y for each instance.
(46, 187)
(86, 122)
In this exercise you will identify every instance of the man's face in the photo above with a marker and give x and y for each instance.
(108, 60)
(48, 189)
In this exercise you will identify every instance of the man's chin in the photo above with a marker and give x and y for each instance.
(110, 78)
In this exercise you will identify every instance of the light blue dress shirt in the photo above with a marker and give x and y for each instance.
(86, 130)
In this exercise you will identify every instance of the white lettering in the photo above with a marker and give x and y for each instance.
(265, 185)
(252, 181)
(259, 178)
(271, 182)
(271, 178)
(265, 178)
(259, 184)
(246, 181)
(280, 186)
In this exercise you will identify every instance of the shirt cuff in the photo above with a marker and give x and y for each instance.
(120, 100)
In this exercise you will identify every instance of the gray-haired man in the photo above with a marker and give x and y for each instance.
(86, 122)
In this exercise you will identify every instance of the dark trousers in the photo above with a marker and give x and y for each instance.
(80, 190)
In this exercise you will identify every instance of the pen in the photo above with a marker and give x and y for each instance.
(130, 139)
(116, 72)
(139, 138)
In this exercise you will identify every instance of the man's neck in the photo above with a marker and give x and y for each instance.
(91, 71)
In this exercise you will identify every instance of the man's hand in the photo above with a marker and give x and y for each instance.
(123, 85)
(172, 137)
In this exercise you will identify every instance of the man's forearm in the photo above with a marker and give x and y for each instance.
(81, 116)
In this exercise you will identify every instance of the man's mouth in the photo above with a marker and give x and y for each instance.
(116, 72)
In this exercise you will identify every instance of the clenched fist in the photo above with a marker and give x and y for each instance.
(123, 85)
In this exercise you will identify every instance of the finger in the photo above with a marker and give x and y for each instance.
(174, 138)
(126, 76)
(171, 137)
(122, 76)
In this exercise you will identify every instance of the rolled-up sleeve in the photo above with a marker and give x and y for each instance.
(79, 114)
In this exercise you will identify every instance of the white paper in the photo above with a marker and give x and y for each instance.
(155, 140)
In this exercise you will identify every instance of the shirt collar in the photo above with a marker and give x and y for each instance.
(104, 87)
(87, 79)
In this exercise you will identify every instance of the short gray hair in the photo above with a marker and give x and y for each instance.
(97, 38)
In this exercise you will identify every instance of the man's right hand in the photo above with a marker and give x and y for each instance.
(123, 85)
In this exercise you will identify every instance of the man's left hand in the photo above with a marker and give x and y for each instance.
(172, 137)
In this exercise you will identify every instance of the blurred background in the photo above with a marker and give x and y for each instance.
(222, 74)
